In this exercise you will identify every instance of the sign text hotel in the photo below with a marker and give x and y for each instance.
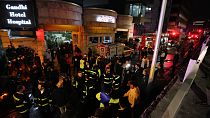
(16, 13)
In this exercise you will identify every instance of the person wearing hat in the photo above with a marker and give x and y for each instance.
(42, 99)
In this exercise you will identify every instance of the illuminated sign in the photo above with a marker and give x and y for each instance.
(17, 14)
(105, 19)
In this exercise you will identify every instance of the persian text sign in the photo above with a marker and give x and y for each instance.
(105, 19)
(17, 14)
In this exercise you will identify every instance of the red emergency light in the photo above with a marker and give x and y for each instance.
(193, 36)
(200, 30)
(40, 35)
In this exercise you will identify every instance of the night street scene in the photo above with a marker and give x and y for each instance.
(104, 59)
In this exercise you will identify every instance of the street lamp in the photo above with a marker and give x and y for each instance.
(157, 43)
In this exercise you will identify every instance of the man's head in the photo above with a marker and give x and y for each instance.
(107, 69)
(41, 84)
(132, 84)
(60, 82)
(137, 66)
(79, 74)
(21, 88)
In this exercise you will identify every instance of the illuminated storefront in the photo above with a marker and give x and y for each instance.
(99, 26)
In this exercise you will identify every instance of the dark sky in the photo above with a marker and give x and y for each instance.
(200, 9)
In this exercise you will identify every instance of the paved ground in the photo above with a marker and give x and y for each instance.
(194, 103)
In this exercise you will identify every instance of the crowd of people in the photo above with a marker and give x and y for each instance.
(103, 87)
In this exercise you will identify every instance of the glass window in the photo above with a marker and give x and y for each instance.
(137, 9)
(107, 39)
(93, 40)
(143, 10)
(131, 9)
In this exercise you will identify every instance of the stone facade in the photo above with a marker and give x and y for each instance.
(124, 21)
(58, 13)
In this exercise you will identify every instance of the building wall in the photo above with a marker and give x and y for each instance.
(58, 13)
(95, 3)
(124, 21)
(4, 38)
(179, 17)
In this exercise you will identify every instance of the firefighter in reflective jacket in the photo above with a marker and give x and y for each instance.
(83, 62)
(22, 102)
(87, 88)
(107, 79)
(97, 70)
(42, 99)
(116, 82)
(115, 94)
(97, 74)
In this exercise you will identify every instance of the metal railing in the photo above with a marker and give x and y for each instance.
(179, 75)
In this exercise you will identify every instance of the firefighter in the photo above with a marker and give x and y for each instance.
(86, 68)
(22, 102)
(42, 99)
(116, 83)
(83, 62)
(115, 93)
(107, 79)
(93, 75)
(78, 83)
(88, 83)
(97, 70)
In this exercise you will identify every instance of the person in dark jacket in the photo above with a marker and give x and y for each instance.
(77, 50)
(22, 102)
(137, 72)
(59, 96)
(175, 61)
(104, 112)
(42, 97)
(125, 110)
(118, 68)
(76, 61)
(67, 65)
